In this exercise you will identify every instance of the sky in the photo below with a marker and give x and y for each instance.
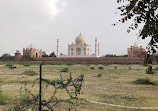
(42, 22)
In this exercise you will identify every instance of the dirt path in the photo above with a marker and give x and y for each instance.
(129, 107)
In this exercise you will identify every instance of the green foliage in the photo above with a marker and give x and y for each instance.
(26, 65)
(9, 65)
(26, 57)
(145, 81)
(7, 57)
(44, 54)
(30, 73)
(30, 101)
(143, 13)
(3, 98)
(71, 86)
(145, 62)
(70, 63)
(52, 54)
(149, 71)
(27, 101)
(64, 70)
(156, 57)
(99, 75)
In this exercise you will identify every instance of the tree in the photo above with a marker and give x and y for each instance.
(44, 54)
(52, 54)
(26, 57)
(7, 57)
(145, 13)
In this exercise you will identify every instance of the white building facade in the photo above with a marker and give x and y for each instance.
(80, 48)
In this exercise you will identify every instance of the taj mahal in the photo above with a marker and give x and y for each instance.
(80, 48)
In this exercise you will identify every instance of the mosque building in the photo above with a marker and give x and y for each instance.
(80, 48)
(31, 51)
(136, 51)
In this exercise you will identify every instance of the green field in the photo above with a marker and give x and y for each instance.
(110, 85)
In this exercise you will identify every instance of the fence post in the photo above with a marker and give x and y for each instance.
(40, 87)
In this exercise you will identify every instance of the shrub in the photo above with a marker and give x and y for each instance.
(70, 63)
(64, 70)
(149, 71)
(99, 75)
(2, 97)
(30, 73)
(26, 65)
(9, 65)
(29, 101)
(145, 81)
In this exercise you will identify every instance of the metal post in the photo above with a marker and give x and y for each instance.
(40, 87)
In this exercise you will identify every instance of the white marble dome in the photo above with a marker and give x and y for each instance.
(30, 47)
(136, 45)
(80, 39)
(17, 51)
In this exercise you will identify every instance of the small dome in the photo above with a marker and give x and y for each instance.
(80, 39)
(136, 45)
(17, 51)
(30, 47)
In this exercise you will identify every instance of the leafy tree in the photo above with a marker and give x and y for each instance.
(144, 13)
(52, 54)
(26, 57)
(44, 54)
(7, 57)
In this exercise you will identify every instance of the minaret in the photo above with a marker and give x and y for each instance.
(96, 43)
(98, 49)
(57, 47)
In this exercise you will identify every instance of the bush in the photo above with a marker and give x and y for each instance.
(29, 101)
(145, 81)
(26, 65)
(64, 70)
(30, 73)
(99, 75)
(9, 65)
(2, 97)
(149, 71)
(70, 63)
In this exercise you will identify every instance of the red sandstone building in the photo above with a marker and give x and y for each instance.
(136, 51)
(31, 51)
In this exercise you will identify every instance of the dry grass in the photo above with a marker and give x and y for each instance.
(115, 86)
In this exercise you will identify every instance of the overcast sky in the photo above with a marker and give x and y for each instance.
(42, 22)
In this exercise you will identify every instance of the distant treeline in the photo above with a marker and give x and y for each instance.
(7, 57)
(113, 55)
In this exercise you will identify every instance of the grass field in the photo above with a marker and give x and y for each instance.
(113, 86)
